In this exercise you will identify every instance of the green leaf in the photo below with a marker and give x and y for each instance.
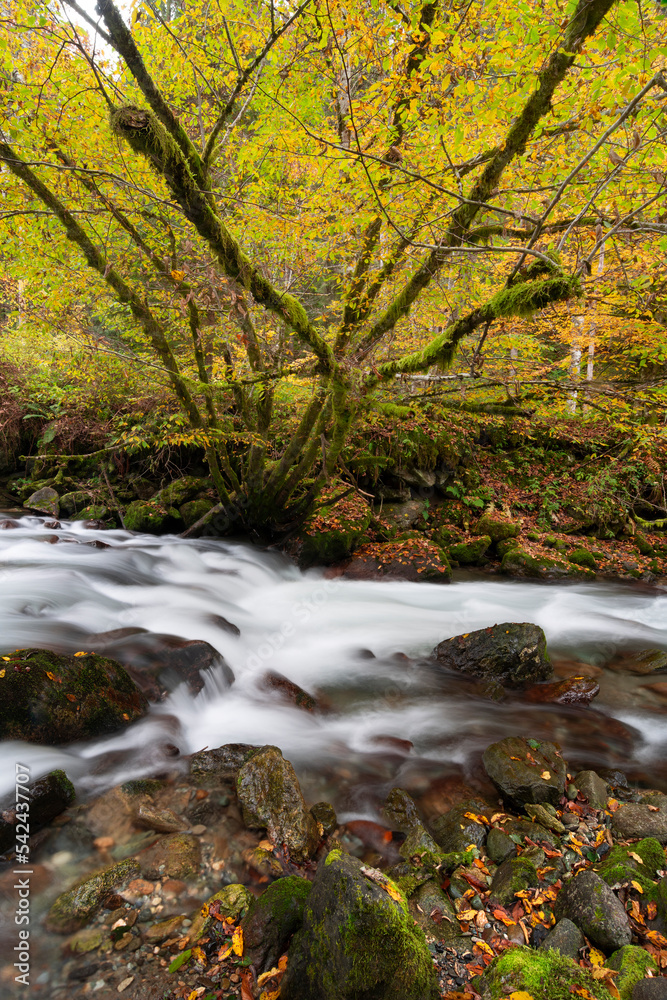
(180, 960)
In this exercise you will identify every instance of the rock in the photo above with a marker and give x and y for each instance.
(509, 654)
(160, 820)
(522, 829)
(541, 974)
(215, 766)
(523, 773)
(192, 511)
(619, 865)
(357, 940)
(46, 500)
(542, 815)
(470, 553)
(272, 920)
(512, 876)
(571, 691)
(94, 512)
(48, 698)
(589, 903)
(334, 531)
(88, 939)
(48, 797)
(325, 815)
(157, 662)
(636, 820)
(175, 856)
(271, 799)
(516, 562)
(288, 691)
(74, 908)
(152, 517)
(163, 929)
(454, 831)
(650, 989)
(643, 662)
(565, 938)
(70, 503)
(432, 909)
(413, 559)
(401, 812)
(401, 516)
(632, 963)
(497, 526)
(181, 490)
(231, 902)
(593, 788)
(499, 845)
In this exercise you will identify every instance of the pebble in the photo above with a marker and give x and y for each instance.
(104, 843)
(125, 983)
(198, 829)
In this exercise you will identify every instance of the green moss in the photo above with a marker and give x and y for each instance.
(94, 512)
(632, 963)
(582, 557)
(544, 974)
(335, 530)
(619, 866)
(520, 563)
(469, 553)
(151, 517)
(74, 908)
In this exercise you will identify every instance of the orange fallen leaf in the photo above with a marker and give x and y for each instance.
(546, 775)
(237, 941)
(632, 854)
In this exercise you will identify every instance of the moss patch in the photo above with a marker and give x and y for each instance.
(544, 974)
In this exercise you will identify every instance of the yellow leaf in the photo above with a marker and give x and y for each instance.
(81, 654)
(178, 275)
(467, 914)
(237, 941)
(546, 775)
(636, 885)
(267, 975)
(7, 659)
(270, 996)
(224, 953)
(2, 673)
(631, 854)
(520, 995)
(51, 676)
(596, 957)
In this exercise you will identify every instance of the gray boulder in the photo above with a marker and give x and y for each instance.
(510, 654)
(526, 770)
(590, 904)
(566, 938)
(636, 820)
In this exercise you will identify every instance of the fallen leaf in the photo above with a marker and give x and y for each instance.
(636, 885)
(546, 775)
(631, 854)
(520, 995)
(237, 941)
(246, 986)
(265, 976)
(596, 957)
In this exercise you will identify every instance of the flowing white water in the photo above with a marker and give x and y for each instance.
(313, 631)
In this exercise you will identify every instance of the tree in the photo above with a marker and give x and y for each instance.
(275, 189)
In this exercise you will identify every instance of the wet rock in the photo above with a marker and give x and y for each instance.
(325, 815)
(589, 903)
(401, 811)
(632, 963)
(48, 698)
(643, 662)
(163, 929)
(211, 767)
(509, 654)
(650, 989)
(271, 799)
(498, 527)
(525, 773)
(401, 516)
(152, 517)
(565, 938)
(288, 691)
(593, 788)
(231, 902)
(48, 797)
(76, 907)
(176, 856)
(512, 876)
(46, 500)
(470, 553)
(455, 831)
(158, 663)
(94, 512)
(146, 814)
(88, 939)
(357, 940)
(541, 815)
(571, 691)
(413, 559)
(181, 490)
(432, 909)
(272, 919)
(636, 820)
(70, 503)
(499, 845)
(192, 511)
(522, 829)
(620, 866)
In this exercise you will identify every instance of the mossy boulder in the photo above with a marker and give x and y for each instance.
(456, 831)
(401, 811)
(193, 510)
(516, 562)
(637, 819)
(271, 799)
(181, 490)
(632, 963)
(412, 559)
(590, 904)
(70, 503)
(94, 512)
(47, 698)
(152, 517)
(582, 557)
(512, 876)
(432, 909)
(509, 545)
(76, 907)
(498, 527)
(358, 939)
(213, 767)
(272, 919)
(510, 654)
(334, 531)
(45, 500)
(470, 553)
(543, 975)
(400, 517)
(620, 867)
(526, 771)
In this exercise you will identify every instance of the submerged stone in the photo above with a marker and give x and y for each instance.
(76, 907)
